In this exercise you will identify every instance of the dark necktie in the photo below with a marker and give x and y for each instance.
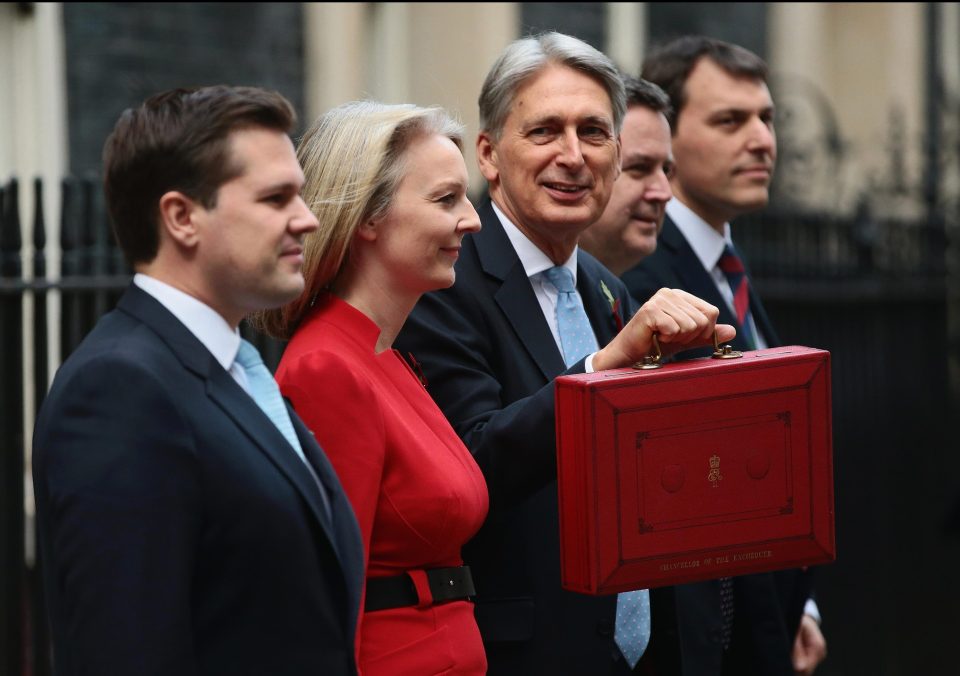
(736, 275)
(726, 611)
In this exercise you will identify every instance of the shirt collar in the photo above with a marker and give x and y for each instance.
(209, 327)
(706, 242)
(534, 261)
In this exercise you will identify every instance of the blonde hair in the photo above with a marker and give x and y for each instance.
(353, 162)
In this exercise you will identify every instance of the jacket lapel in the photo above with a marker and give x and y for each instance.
(515, 295)
(238, 405)
(698, 281)
(595, 302)
(228, 395)
(344, 524)
(760, 318)
(690, 271)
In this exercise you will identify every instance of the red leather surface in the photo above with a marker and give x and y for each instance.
(700, 469)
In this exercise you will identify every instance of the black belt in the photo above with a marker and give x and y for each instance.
(421, 588)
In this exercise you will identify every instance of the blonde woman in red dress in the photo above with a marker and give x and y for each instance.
(388, 185)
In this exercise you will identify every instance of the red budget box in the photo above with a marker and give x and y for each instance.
(701, 469)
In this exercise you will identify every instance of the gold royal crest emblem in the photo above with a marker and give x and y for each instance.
(714, 477)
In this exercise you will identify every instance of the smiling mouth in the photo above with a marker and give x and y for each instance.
(562, 187)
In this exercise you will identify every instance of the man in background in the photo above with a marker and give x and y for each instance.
(627, 230)
(725, 148)
(188, 522)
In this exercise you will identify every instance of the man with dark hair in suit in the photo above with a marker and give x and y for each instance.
(725, 148)
(188, 522)
(627, 230)
(526, 307)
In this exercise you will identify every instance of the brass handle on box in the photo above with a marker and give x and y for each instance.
(652, 360)
(725, 352)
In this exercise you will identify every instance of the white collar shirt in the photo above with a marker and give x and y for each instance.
(205, 323)
(535, 262)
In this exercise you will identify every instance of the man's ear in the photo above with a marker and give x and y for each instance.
(178, 218)
(487, 157)
(619, 157)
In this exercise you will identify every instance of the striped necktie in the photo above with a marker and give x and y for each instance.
(732, 267)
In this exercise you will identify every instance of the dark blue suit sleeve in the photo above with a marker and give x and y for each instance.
(118, 495)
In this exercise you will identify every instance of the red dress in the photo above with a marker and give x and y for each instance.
(416, 490)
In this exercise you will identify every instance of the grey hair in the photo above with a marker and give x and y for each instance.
(524, 58)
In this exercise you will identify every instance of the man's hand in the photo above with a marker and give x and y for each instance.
(809, 648)
(680, 320)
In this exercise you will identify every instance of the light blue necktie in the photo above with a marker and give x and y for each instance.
(632, 629)
(577, 339)
(264, 390)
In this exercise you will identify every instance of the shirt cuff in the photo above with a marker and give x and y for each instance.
(588, 363)
(811, 609)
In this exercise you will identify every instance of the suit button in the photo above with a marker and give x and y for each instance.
(605, 627)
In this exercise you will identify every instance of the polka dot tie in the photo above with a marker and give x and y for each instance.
(576, 335)
(632, 629)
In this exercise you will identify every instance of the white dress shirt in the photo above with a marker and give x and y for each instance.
(708, 245)
(535, 263)
(208, 325)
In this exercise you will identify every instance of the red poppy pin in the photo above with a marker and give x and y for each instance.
(614, 305)
(416, 369)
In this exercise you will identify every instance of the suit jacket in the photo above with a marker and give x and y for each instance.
(416, 490)
(490, 359)
(179, 532)
(686, 619)
(675, 265)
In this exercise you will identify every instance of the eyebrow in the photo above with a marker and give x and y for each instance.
(447, 184)
(282, 186)
(555, 119)
(741, 111)
(634, 157)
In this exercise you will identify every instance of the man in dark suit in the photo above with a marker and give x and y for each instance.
(491, 345)
(186, 526)
(725, 148)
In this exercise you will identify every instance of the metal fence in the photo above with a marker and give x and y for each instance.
(876, 292)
